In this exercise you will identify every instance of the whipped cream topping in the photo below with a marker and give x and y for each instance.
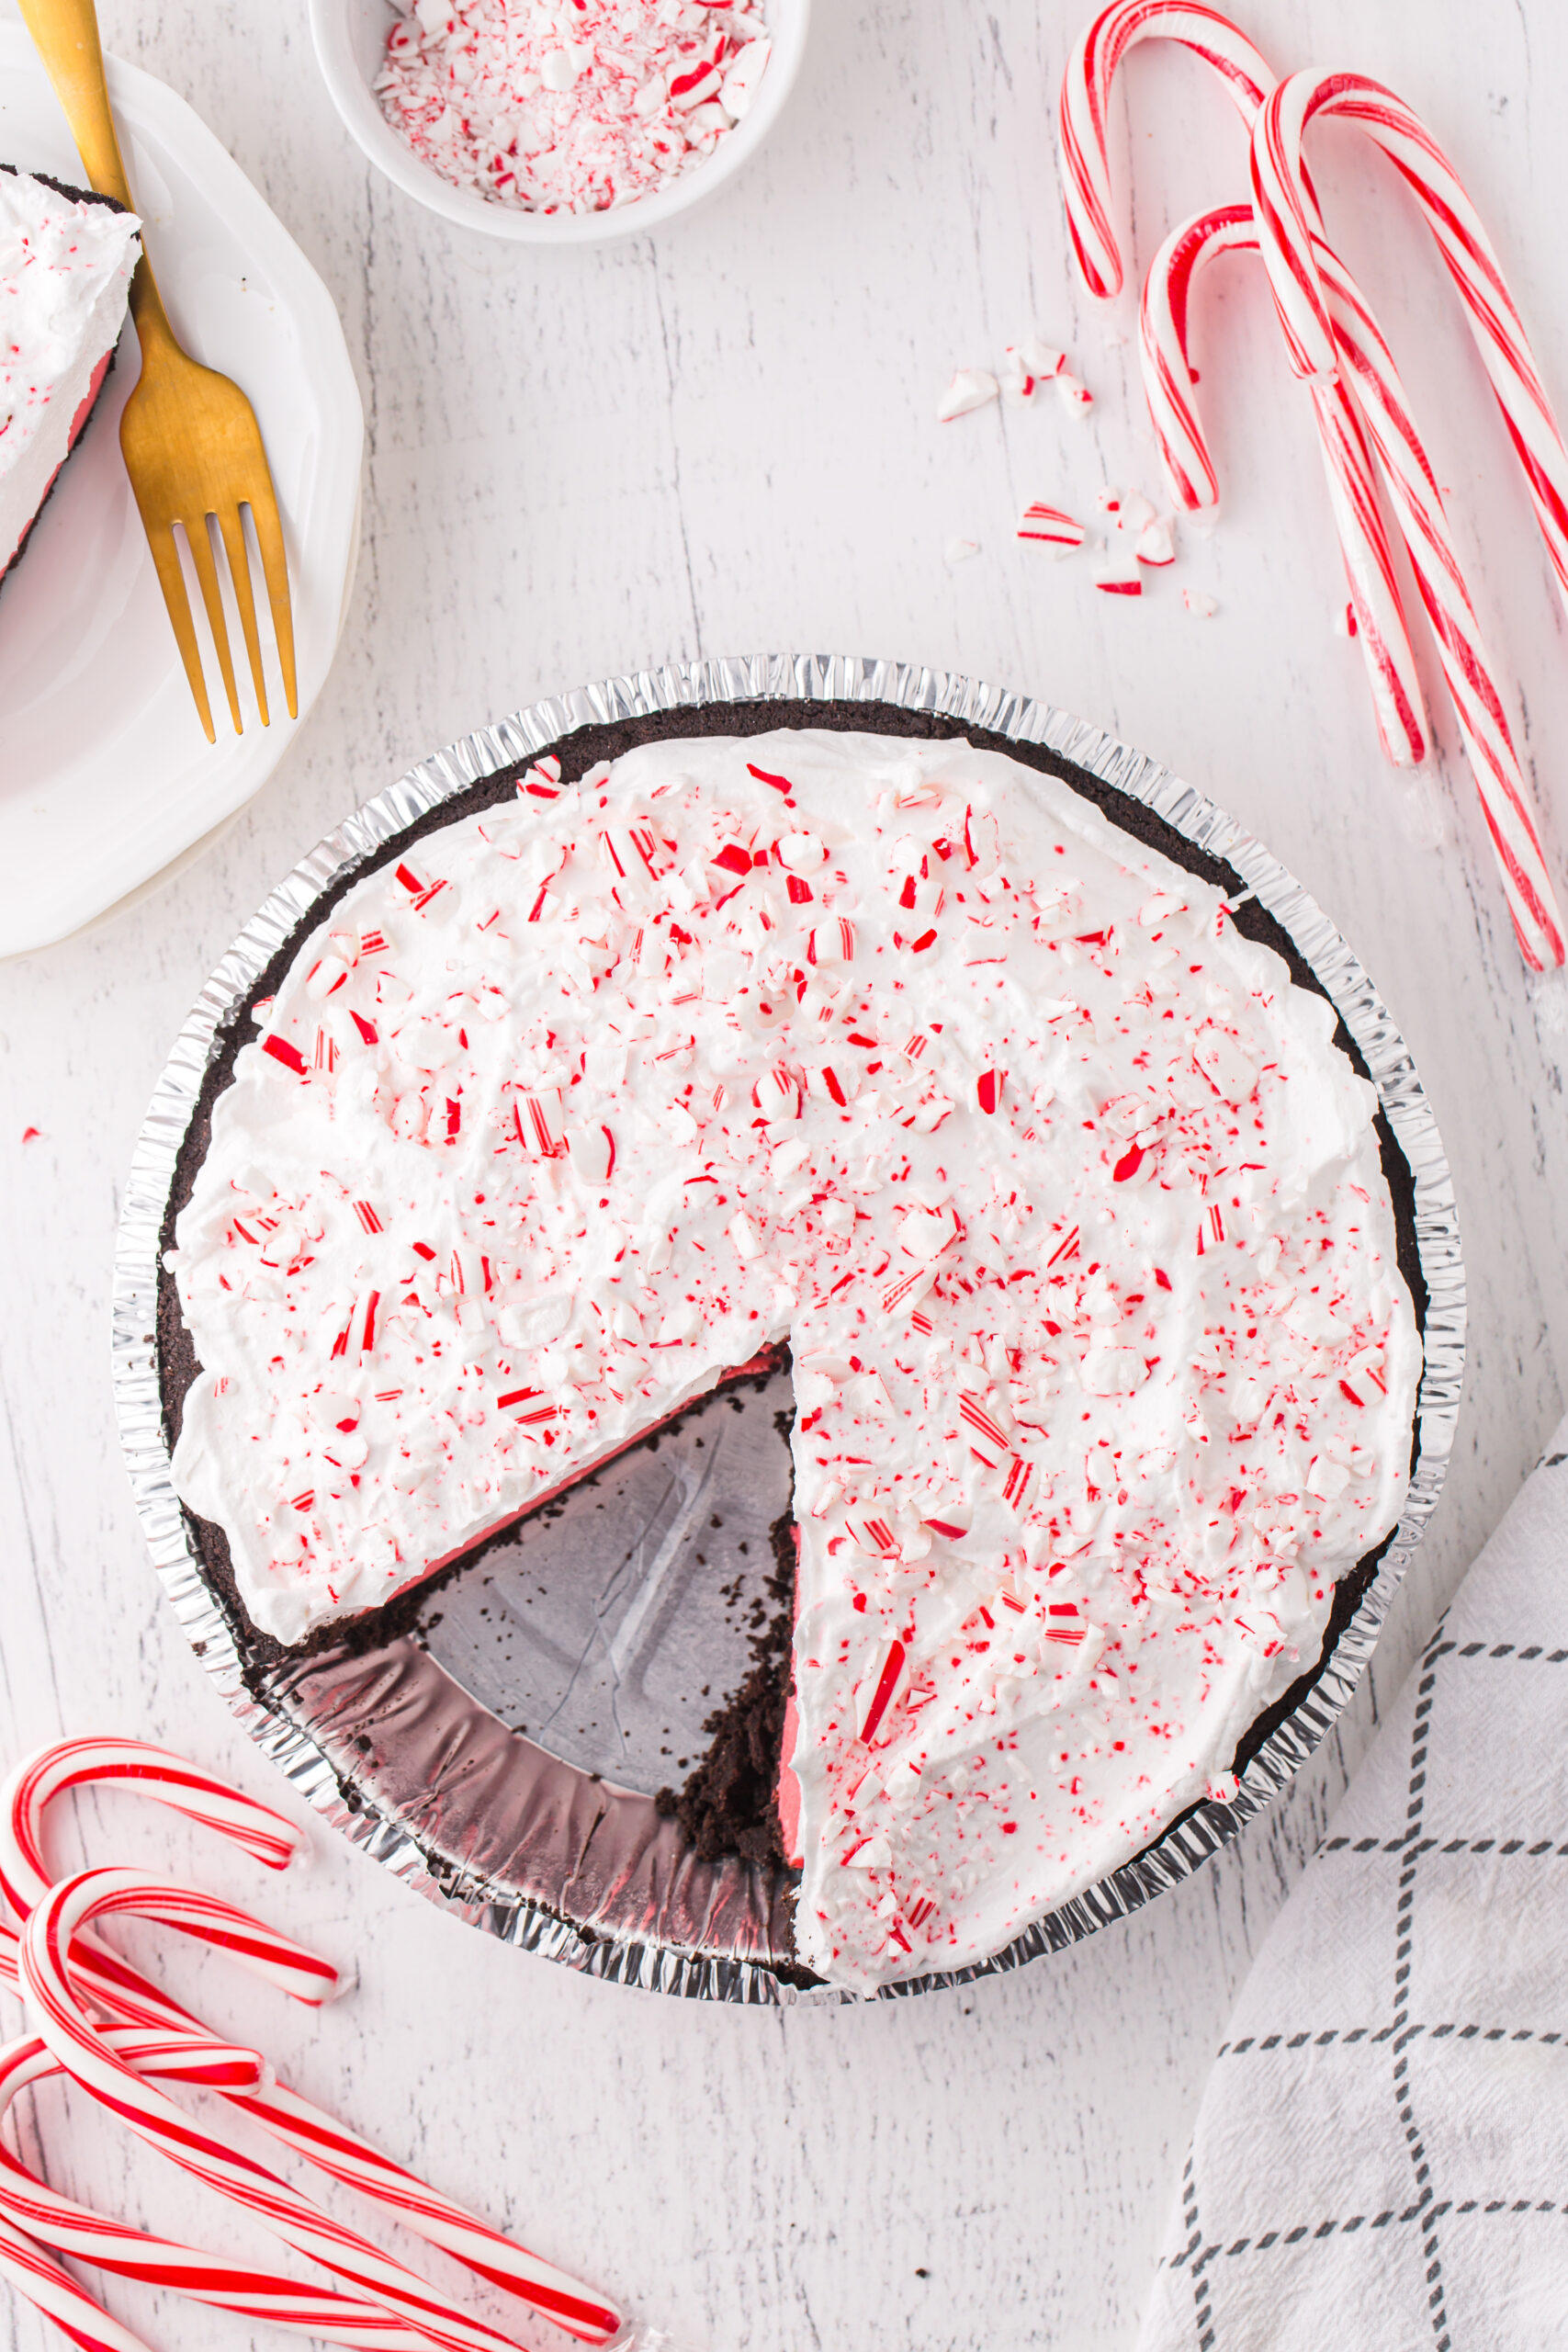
(1068, 1205)
(65, 271)
(570, 106)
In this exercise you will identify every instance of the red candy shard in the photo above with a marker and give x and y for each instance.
(287, 1054)
(779, 782)
(883, 1687)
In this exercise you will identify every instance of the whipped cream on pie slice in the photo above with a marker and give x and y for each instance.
(1070, 1208)
(65, 269)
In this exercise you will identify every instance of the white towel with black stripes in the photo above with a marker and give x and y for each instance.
(1381, 2156)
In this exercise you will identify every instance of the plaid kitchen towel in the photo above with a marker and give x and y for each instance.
(1381, 2156)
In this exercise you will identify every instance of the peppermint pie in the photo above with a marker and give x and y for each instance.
(1070, 1208)
(66, 259)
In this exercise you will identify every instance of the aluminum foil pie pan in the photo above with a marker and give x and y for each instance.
(497, 1743)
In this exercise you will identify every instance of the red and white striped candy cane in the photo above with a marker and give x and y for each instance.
(1468, 668)
(119, 1990)
(28, 2205)
(1347, 464)
(123, 1992)
(41, 2281)
(1086, 105)
(29, 1790)
(206, 2149)
(1287, 214)
(1398, 704)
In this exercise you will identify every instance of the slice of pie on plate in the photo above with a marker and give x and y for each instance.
(66, 260)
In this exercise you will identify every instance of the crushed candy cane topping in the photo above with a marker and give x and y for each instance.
(570, 106)
(65, 269)
(1071, 1211)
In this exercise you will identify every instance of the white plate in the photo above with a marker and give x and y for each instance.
(105, 776)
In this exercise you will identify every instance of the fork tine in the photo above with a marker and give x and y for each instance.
(263, 504)
(198, 537)
(171, 581)
(232, 523)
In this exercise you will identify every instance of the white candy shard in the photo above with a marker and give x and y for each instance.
(1129, 509)
(1201, 604)
(971, 387)
(739, 85)
(1155, 544)
(559, 70)
(801, 853)
(1117, 574)
(1028, 364)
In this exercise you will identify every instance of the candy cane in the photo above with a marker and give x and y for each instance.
(1086, 105)
(30, 1788)
(1315, 314)
(1347, 465)
(29, 2205)
(208, 2151)
(41, 2281)
(54, 2292)
(1467, 666)
(1288, 215)
(123, 1992)
(28, 1791)
(1398, 704)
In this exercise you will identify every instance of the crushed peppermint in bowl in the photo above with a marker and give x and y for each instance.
(560, 121)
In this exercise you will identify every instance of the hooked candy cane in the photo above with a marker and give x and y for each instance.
(124, 1993)
(1467, 667)
(208, 2150)
(1287, 214)
(1369, 394)
(25, 1796)
(1314, 315)
(28, 2205)
(1086, 85)
(157, 1771)
(1398, 704)
(1348, 463)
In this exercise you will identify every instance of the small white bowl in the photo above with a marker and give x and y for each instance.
(351, 40)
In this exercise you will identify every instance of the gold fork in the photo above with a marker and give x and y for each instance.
(189, 437)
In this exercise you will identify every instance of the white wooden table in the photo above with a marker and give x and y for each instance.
(722, 440)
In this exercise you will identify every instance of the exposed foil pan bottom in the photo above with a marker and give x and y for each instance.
(603, 1632)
